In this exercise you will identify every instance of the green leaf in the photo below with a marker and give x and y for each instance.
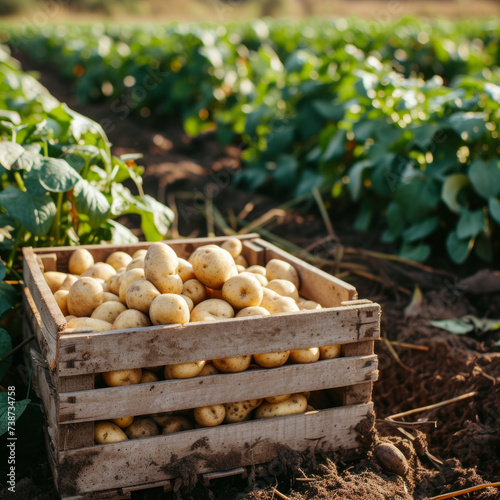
(418, 253)
(336, 146)
(421, 230)
(3, 271)
(156, 219)
(279, 140)
(364, 217)
(458, 249)
(470, 126)
(418, 198)
(485, 177)
(5, 408)
(10, 152)
(451, 187)
(423, 135)
(5, 348)
(470, 224)
(467, 324)
(35, 213)
(356, 178)
(91, 202)
(57, 176)
(483, 247)
(120, 235)
(395, 220)
(309, 180)
(328, 110)
(76, 161)
(494, 207)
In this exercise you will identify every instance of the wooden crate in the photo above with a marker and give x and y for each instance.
(66, 364)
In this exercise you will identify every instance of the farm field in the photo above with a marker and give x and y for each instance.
(375, 157)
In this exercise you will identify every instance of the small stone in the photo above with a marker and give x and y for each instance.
(391, 459)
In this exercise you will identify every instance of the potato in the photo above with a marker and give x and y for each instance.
(107, 432)
(199, 249)
(61, 297)
(118, 259)
(148, 376)
(140, 295)
(160, 264)
(277, 399)
(208, 369)
(240, 269)
(85, 324)
(54, 279)
(170, 284)
(139, 253)
(168, 309)
(195, 290)
(256, 270)
(117, 378)
(261, 279)
(100, 270)
(69, 317)
(141, 427)
(79, 261)
(253, 311)
(233, 364)
(108, 311)
(271, 359)
(68, 282)
(176, 423)
(308, 305)
(296, 403)
(189, 302)
(84, 296)
(279, 269)
(284, 287)
(110, 297)
(241, 261)
(304, 355)
(128, 278)
(212, 310)
(276, 303)
(184, 370)
(233, 246)
(137, 263)
(163, 418)
(115, 281)
(131, 318)
(123, 421)
(186, 270)
(213, 267)
(242, 291)
(209, 416)
(330, 352)
(104, 284)
(239, 411)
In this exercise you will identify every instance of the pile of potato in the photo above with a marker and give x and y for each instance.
(155, 287)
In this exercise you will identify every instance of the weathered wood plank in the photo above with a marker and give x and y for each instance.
(210, 449)
(48, 262)
(315, 284)
(170, 344)
(359, 393)
(254, 254)
(170, 395)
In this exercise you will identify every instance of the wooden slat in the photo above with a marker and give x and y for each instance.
(48, 262)
(254, 254)
(170, 395)
(315, 284)
(210, 449)
(104, 351)
(359, 393)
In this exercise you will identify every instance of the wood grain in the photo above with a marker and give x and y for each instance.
(206, 450)
(359, 393)
(169, 395)
(254, 254)
(171, 344)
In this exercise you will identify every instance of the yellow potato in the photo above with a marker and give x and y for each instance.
(104, 284)
(54, 279)
(118, 260)
(79, 261)
(68, 282)
(148, 376)
(276, 303)
(128, 278)
(308, 305)
(85, 324)
(261, 279)
(277, 399)
(107, 432)
(241, 261)
(189, 302)
(139, 253)
(61, 297)
(195, 290)
(271, 359)
(296, 403)
(117, 378)
(279, 269)
(257, 270)
(208, 369)
(284, 287)
(253, 311)
(213, 267)
(240, 411)
(240, 269)
(141, 427)
(330, 352)
(100, 270)
(242, 291)
(176, 423)
(137, 263)
(170, 284)
(131, 318)
(110, 297)
(168, 309)
(233, 364)
(212, 310)
(69, 317)
(233, 246)
(140, 295)
(199, 249)
(209, 416)
(160, 264)
(84, 296)
(108, 311)
(184, 370)
(123, 421)
(186, 270)
(115, 281)
(304, 355)
(163, 418)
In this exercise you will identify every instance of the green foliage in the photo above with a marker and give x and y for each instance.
(403, 118)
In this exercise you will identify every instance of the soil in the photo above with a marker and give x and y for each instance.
(449, 448)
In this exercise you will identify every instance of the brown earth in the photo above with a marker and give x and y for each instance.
(453, 447)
